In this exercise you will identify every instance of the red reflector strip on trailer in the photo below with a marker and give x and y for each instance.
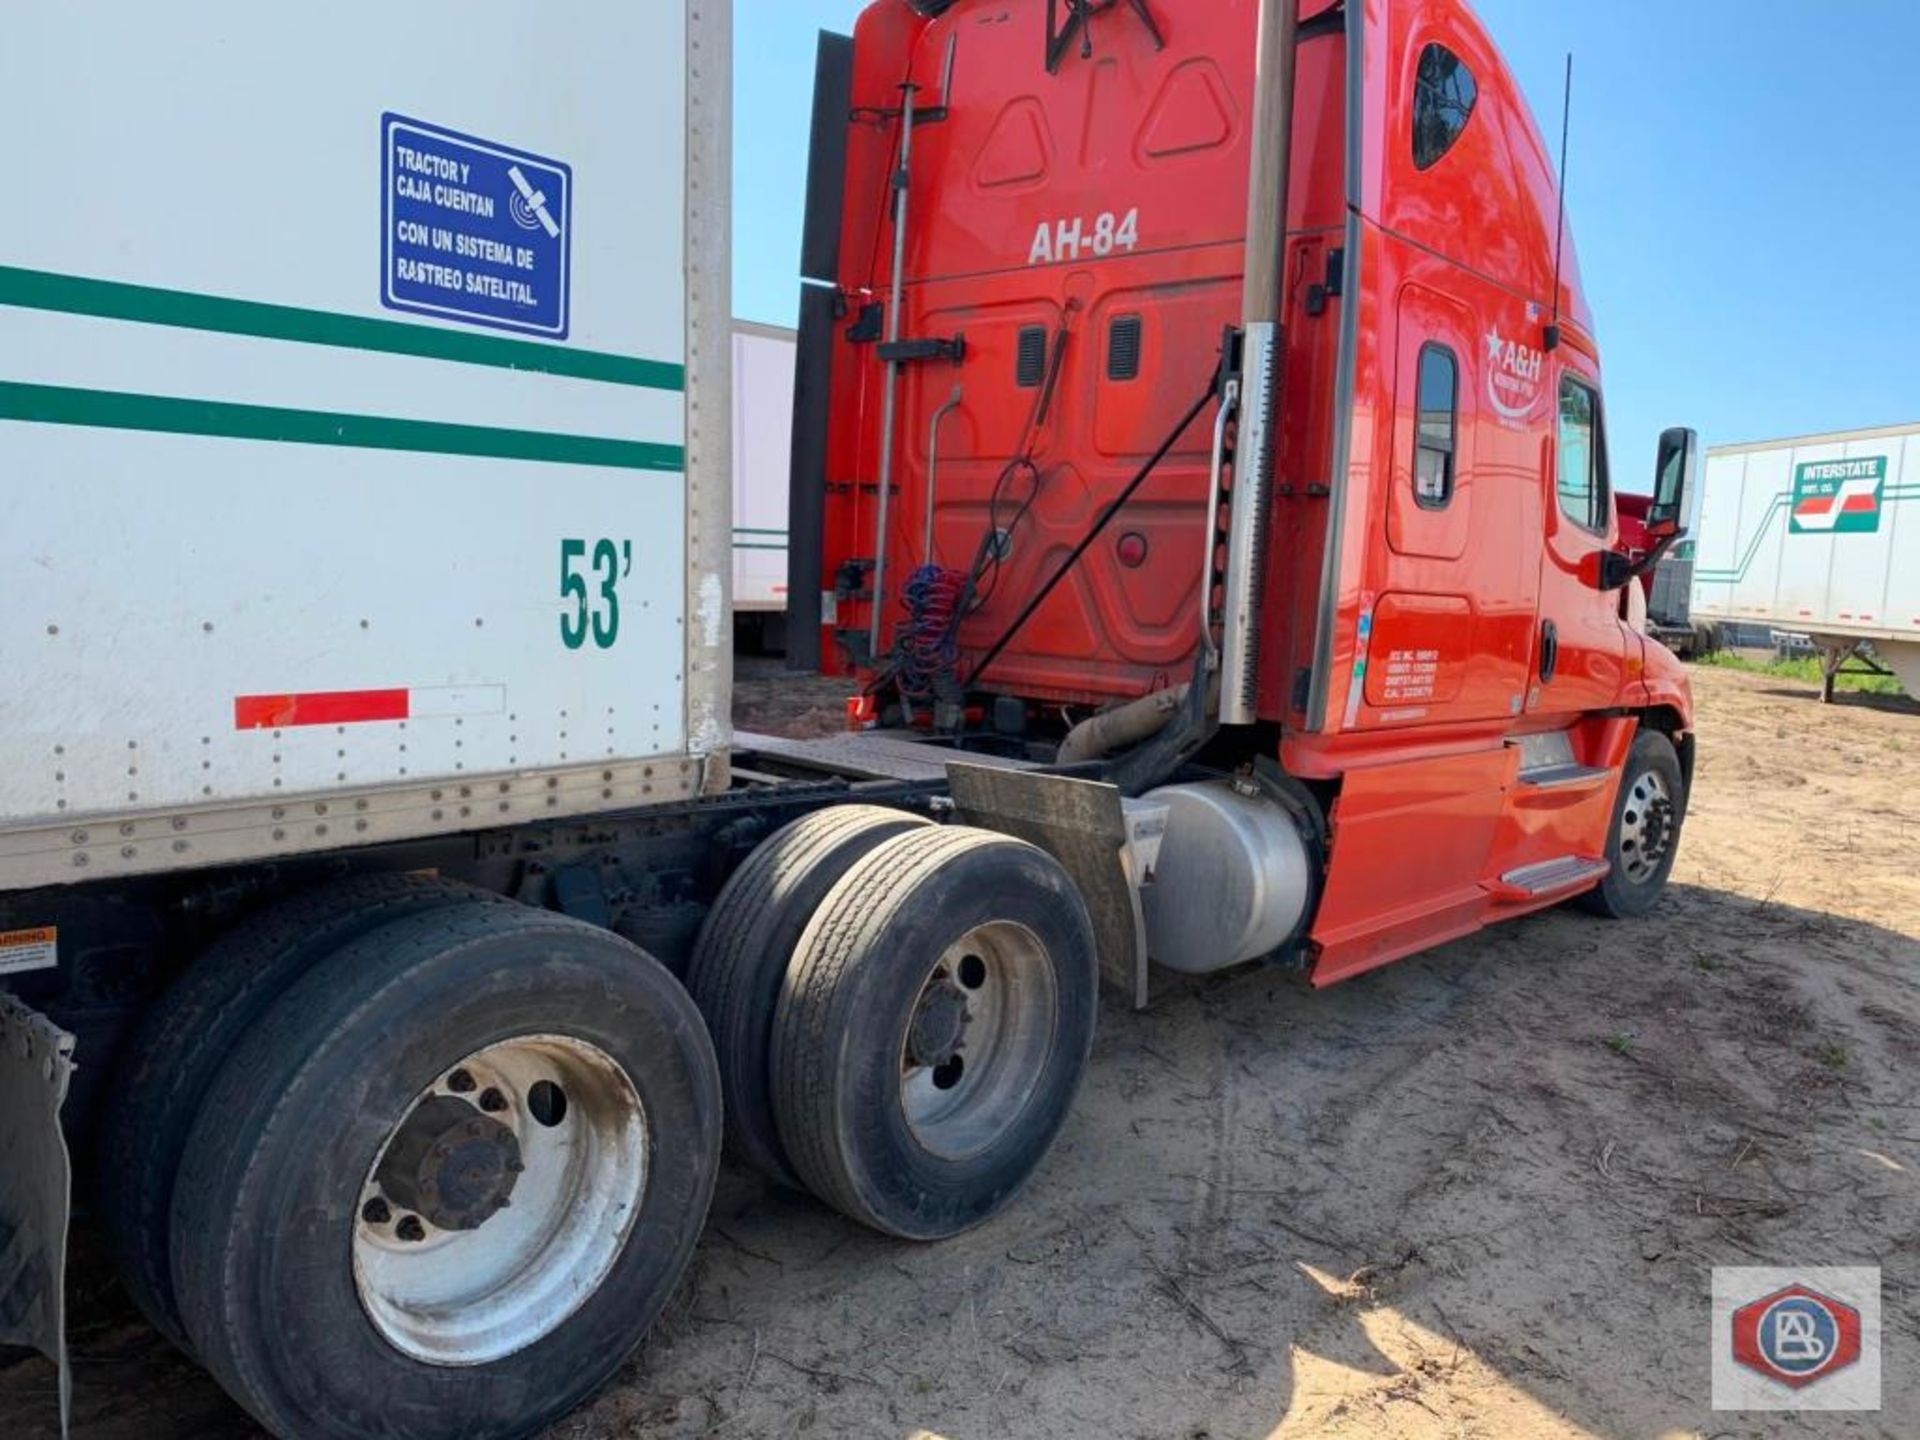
(361, 707)
(324, 707)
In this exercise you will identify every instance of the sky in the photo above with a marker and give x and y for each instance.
(1743, 186)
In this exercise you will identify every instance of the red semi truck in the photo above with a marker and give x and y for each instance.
(1199, 466)
(1372, 531)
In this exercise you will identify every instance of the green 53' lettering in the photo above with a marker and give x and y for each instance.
(591, 590)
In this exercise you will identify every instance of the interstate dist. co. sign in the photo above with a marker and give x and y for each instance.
(1838, 497)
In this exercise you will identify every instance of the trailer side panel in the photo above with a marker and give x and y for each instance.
(364, 468)
(1819, 534)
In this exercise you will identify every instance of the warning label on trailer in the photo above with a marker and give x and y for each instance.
(472, 230)
(22, 950)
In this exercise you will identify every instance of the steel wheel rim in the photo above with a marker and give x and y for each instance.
(471, 1296)
(1646, 826)
(1002, 978)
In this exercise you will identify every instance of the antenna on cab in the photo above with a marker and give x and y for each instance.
(1551, 340)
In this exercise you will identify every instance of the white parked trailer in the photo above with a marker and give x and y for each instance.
(1817, 535)
(763, 369)
(378, 464)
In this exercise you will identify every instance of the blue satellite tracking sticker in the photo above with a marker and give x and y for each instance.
(473, 231)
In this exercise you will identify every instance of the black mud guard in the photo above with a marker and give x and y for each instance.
(36, 1067)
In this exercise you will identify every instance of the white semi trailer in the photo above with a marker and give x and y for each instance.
(366, 769)
(763, 373)
(1817, 535)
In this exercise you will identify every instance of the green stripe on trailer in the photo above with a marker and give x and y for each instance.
(1779, 503)
(759, 537)
(1734, 575)
(118, 410)
(146, 305)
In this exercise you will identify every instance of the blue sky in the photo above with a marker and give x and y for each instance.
(1744, 186)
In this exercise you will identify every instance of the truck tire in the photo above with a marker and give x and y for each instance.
(933, 1030)
(1647, 818)
(170, 1063)
(742, 954)
(449, 1181)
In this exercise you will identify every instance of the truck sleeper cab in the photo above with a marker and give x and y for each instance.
(1449, 670)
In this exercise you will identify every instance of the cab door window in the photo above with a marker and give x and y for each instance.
(1581, 457)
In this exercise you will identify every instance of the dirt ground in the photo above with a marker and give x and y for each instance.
(1476, 1194)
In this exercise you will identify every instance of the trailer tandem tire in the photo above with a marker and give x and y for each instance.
(1647, 816)
(449, 1181)
(185, 1036)
(935, 1026)
(744, 948)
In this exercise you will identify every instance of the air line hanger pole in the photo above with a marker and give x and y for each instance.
(890, 405)
(1551, 341)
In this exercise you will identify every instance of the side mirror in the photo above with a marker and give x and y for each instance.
(1612, 570)
(1674, 474)
(1673, 479)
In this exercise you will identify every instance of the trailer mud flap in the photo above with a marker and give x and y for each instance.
(1085, 825)
(36, 1065)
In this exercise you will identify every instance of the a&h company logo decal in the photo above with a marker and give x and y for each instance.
(1513, 375)
(1796, 1339)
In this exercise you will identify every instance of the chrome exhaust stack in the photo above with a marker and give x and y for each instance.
(1260, 360)
(1247, 532)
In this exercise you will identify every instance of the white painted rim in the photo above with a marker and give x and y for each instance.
(1012, 1006)
(472, 1297)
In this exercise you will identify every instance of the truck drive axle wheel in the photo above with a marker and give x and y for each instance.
(977, 1047)
(933, 1030)
(449, 1180)
(1646, 830)
(184, 1039)
(741, 958)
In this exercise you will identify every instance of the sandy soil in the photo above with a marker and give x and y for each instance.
(1476, 1194)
